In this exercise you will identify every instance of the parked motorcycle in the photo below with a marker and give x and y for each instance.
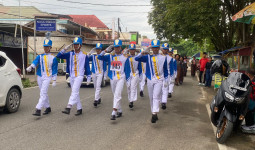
(230, 105)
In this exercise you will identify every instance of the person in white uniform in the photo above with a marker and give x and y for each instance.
(174, 64)
(165, 51)
(77, 66)
(97, 72)
(118, 72)
(47, 69)
(142, 77)
(136, 70)
(156, 73)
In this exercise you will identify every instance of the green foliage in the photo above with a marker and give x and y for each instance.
(199, 20)
(26, 83)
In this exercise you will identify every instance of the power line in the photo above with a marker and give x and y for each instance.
(79, 7)
(100, 4)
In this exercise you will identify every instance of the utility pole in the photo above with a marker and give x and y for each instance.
(22, 48)
(35, 43)
(118, 28)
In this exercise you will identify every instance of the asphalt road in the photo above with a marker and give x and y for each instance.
(185, 125)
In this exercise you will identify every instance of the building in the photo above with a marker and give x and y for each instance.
(92, 22)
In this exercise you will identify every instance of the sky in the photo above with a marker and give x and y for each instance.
(133, 18)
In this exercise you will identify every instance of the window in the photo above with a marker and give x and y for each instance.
(2, 61)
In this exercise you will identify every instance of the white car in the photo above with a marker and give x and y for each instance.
(11, 85)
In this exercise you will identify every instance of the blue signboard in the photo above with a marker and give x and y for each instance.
(147, 44)
(45, 25)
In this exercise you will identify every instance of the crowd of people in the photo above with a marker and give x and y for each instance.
(161, 71)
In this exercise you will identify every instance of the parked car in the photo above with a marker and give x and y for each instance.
(11, 85)
(61, 68)
(84, 82)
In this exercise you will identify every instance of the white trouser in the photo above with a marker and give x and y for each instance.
(97, 80)
(165, 91)
(132, 88)
(75, 95)
(155, 91)
(171, 88)
(142, 82)
(117, 87)
(43, 83)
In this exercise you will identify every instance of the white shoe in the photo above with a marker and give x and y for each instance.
(248, 129)
(199, 84)
(203, 84)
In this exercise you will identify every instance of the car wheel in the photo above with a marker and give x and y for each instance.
(60, 72)
(69, 85)
(12, 101)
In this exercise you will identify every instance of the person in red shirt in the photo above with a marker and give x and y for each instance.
(202, 63)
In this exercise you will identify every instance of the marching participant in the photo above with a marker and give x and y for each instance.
(118, 72)
(156, 73)
(47, 69)
(136, 70)
(142, 77)
(97, 72)
(172, 82)
(165, 50)
(77, 65)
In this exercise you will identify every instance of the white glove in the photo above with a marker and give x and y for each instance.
(88, 80)
(105, 77)
(54, 83)
(165, 84)
(68, 47)
(109, 49)
(29, 69)
(147, 49)
(92, 51)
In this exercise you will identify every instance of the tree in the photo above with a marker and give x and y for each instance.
(199, 20)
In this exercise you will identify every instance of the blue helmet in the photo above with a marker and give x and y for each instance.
(77, 40)
(165, 46)
(99, 46)
(117, 43)
(171, 50)
(141, 50)
(47, 43)
(132, 46)
(155, 43)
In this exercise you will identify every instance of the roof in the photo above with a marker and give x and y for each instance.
(12, 12)
(229, 50)
(88, 20)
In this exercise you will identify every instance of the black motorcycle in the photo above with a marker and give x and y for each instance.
(230, 105)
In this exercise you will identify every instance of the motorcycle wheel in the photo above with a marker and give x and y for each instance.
(224, 130)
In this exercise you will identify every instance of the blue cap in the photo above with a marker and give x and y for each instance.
(132, 46)
(99, 46)
(171, 50)
(117, 43)
(165, 46)
(47, 43)
(77, 40)
(155, 43)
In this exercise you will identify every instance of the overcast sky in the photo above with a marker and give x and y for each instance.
(132, 21)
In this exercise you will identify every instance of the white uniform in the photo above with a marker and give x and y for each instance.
(97, 74)
(156, 75)
(171, 85)
(118, 72)
(77, 65)
(135, 68)
(170, 76)
(47, 69)
(143, 76)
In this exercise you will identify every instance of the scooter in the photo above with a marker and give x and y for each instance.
(230, 104)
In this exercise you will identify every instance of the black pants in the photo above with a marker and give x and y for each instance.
(249, 118)
(200, 77)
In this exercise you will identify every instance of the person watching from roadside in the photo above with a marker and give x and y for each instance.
(202, 63)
